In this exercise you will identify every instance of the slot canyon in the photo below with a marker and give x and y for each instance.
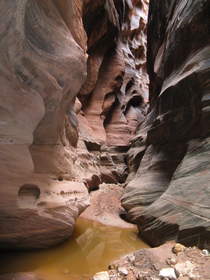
(104, 131)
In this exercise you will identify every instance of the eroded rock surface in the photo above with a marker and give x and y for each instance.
(113, 100)
(69, 89)
(105, 206)
(114, 94)
(169, 202)
(40, 76)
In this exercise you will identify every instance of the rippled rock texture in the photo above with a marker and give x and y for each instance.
(69, 90)
(40, 76)
(168, 191)
(113, 100)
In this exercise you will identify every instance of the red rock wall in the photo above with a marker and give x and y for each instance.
(114, 94)
(112, 102)
(167, 192)
(73, 98)
(42, 65)
(69, 89)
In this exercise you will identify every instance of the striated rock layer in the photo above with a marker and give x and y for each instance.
(40, 76)
(69, 90)
(168, 192)
(112, 101)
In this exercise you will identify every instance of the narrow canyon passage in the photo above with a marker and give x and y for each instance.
(104, 113)
(68, 115)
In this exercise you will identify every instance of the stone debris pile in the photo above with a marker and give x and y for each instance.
(171, 261)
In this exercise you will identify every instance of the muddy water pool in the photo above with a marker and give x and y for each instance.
(91, 249)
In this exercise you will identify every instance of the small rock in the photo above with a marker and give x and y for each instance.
(178, 248)
(112, 266)
(104, 275)
(123, 271)
(205, 253)
(184, 268)
(171, 261)
(168, 273)
(194, 276)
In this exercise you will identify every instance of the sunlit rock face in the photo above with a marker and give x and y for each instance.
(168, 191)
(114, 94)
(113, 100)
(70, 91)
(43, 66)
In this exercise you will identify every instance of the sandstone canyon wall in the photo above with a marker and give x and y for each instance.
(73, 91)
(38, 84)
(168, 191)
(74, 98)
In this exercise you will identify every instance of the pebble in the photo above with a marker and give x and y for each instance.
(171, 261)
(205, 252)
(104, 275)
(123, 271)
(112, 266)
(168, 273)
(178, 248)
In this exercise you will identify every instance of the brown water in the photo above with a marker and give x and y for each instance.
(92, 247)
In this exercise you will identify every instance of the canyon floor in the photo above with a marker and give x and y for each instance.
(102, 240)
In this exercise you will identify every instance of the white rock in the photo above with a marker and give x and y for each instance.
(104, 275)
(184, 268)
(123, 270)
(193, 276)
(205, 252)
(168, 273)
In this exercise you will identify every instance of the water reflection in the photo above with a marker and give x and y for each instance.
(92, 247)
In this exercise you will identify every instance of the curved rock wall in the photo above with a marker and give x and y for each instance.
(115, 92)
(167, 193)
(113, 100)
(38, 84)
(69, 89)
